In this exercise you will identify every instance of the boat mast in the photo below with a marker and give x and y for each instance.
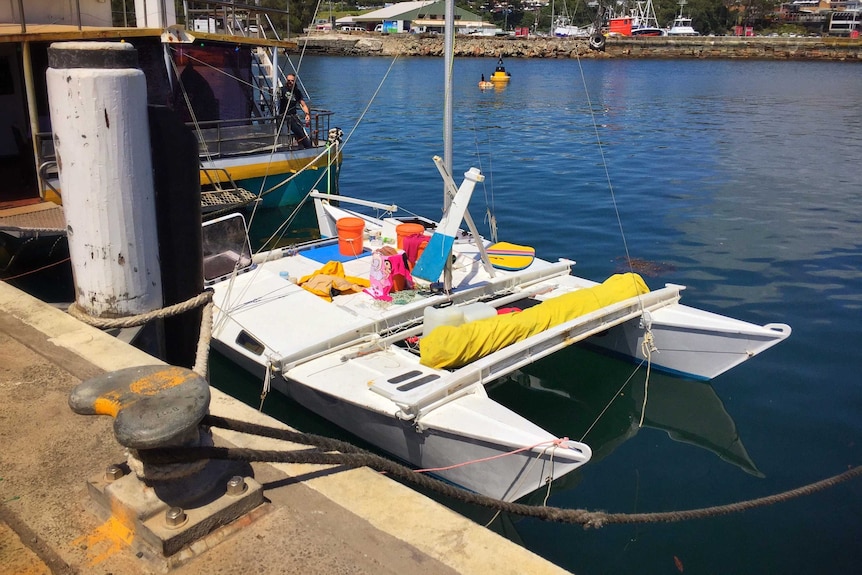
(448, 62)
(448, 53)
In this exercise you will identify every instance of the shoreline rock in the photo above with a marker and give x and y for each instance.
(701, 47)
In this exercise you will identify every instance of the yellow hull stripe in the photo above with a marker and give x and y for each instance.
(273, 169)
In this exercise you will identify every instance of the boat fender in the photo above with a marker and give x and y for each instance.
(335, 135)
(597, 42)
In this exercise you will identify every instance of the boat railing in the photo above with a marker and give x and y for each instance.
(216, 139)
(46, 160)
(48, 174)
(221, 138)
(262, 80)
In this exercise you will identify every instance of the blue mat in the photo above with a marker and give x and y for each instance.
(330, 253)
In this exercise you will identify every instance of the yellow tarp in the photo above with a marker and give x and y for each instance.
(455, 346)
(330, 280)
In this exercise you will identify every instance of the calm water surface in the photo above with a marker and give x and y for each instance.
(742, 180)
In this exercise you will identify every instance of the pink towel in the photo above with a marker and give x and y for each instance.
(384, 275)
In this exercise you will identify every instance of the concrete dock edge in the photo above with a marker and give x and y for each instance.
(317, 519)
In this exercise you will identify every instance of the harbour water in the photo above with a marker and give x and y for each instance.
(740, 180)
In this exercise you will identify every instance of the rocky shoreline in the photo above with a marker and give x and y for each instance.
(718, 47)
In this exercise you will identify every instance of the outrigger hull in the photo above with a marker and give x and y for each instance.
(691, 343)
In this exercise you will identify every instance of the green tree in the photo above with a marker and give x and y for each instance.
(758, 13)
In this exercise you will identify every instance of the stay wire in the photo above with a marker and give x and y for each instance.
(649, 342)
(278, 234)
(490, 211)
(605, 168)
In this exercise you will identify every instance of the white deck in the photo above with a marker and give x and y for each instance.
(311, 324)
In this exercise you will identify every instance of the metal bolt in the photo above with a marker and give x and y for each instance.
(175, 517)
(113, 472)
(236, 486)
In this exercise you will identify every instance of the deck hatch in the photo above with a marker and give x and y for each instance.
(404, 376)
(417, 382)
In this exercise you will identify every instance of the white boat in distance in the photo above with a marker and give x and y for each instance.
(682, 25)
(359, 361)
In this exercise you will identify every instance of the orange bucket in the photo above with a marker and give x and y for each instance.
(407, 230)
(350, 236)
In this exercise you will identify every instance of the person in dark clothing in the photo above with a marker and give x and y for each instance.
(291, 98)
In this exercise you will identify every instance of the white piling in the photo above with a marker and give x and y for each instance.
(155, 13)
(98, 102)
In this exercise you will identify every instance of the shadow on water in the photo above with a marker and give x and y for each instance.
(576, 393)
(589, 397)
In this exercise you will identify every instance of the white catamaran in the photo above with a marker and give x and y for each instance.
(325, 323)
(408, 375)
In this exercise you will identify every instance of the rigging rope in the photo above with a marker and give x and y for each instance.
(278, 234)
(352, 456)
(204, 299)
(30, 272)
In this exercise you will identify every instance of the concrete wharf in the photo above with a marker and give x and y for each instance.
(315, 519)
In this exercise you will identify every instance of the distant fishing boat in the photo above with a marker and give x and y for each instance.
(220, 74)
(639, 21)
(682, 24)
(563, 28)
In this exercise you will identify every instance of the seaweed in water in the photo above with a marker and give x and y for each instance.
(644, 267)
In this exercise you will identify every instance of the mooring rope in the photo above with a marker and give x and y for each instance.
(204, 298)
(79, 313)
(349, 455)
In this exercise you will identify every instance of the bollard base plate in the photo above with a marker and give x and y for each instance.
(138, 507)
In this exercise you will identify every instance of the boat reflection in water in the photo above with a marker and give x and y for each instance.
(595, 406)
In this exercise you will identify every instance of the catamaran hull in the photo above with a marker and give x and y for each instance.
(691, 343)
(469, 428)
(508, 476)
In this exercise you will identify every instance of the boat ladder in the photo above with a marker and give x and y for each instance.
(222, 191)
